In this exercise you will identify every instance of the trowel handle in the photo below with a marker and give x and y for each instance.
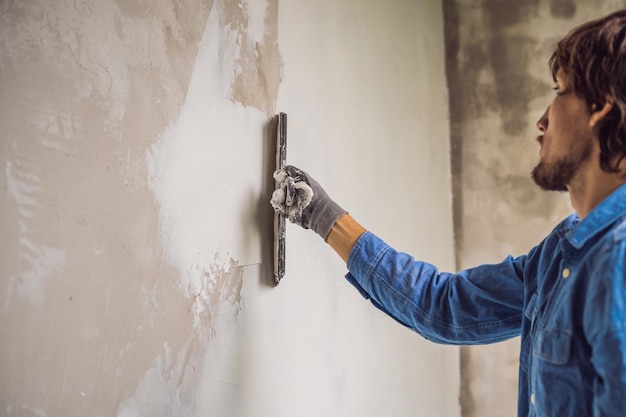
(279, 219)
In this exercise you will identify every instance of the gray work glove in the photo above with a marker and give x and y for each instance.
(304, 201)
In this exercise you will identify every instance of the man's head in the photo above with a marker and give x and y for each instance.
(593, 59)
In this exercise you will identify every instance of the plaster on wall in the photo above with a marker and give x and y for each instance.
(85, 87)
(206, 174)
(205, 167)
(136, 169)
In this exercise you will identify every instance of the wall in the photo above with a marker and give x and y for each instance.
(136, 152)
(500, 84)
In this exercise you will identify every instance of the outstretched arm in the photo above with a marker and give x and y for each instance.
(474, 306)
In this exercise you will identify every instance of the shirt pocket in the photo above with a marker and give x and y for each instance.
(531, 308)
(553, 346)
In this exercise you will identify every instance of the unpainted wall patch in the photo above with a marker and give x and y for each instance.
(258, 71)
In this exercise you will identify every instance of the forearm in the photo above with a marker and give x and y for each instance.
(452, 308)
(343, 235)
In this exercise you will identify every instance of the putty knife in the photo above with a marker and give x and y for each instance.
(279, 219)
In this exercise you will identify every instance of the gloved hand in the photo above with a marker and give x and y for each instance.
(304, 201)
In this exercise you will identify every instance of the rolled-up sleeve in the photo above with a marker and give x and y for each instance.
(475, 306)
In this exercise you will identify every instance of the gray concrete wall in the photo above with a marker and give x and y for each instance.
(135, 156)
(499, 83)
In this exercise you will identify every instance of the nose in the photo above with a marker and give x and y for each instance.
(542, 123)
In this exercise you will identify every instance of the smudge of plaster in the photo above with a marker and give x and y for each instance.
(38, 263)
(161, 392)
(39, 412)
(22, 185)
(43, 262)
(205, 170)
(219, 294)
(9, 295)
(149, 301)
(168, 388)
(206, 173)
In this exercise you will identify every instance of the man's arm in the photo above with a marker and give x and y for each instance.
(446, 308)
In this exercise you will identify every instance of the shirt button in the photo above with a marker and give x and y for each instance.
(532, 399)
(565, 273)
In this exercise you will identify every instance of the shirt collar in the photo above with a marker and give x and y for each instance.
(603, 215)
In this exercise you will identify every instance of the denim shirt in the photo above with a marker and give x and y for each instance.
(566, 298)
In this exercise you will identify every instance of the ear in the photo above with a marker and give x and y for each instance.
(597, 112)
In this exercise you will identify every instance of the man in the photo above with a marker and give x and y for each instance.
(567, 296)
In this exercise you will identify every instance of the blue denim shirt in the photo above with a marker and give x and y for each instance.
(566, 298)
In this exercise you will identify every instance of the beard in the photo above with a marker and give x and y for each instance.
(557, 175)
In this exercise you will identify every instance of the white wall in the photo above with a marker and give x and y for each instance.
(136, 247)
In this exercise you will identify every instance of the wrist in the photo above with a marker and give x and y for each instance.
(324, 215)
(344, 235)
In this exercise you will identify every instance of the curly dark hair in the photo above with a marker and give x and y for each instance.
(593, 56)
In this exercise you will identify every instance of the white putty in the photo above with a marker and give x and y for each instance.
(39, 412)
(170, 387)
(22, 185)
(159, 393)
(9, 295)
(219, 293)
(313, 332)
(43, 263)
(206, 169)
(40, 262)
(149, 301)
